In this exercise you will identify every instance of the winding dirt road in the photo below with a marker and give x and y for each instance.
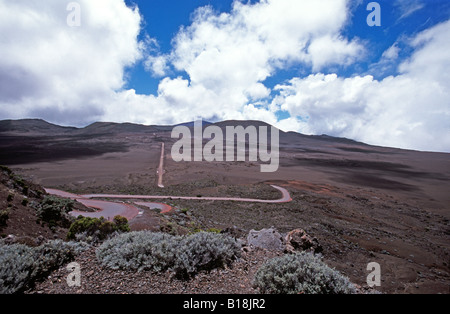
(110, 209)
(286, 197)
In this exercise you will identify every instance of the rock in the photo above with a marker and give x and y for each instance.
(298, 240)
(269, 239)
(10, 239)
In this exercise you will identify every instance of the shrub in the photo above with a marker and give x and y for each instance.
(22, 265)
(139, 250)
(204, 251)
(121, 224)
(17, 262)
(300, 273)
(5, 169)
(144, 250)
(97, 228)
(55, 210)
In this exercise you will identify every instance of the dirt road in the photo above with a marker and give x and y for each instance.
(286, 197)
(160, 170)
(110, 209)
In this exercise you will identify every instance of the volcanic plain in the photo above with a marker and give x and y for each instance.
(363, 203)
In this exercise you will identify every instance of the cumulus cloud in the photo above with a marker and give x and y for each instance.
(75, 75)
(218, 68)
(157, 65)
(227, 57)
(410, 110)
(49, 69)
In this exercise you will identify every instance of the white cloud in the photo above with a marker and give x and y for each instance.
(328, 50)
(157, 65)
(410, 110)
(228, 56)
(75, 75)
(391, 53)
(408, 7)
(50, 69)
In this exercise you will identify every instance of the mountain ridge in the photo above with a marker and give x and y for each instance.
(42, 127)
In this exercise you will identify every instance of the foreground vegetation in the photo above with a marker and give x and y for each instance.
(185, 255)
(300, 273)
(22, 266)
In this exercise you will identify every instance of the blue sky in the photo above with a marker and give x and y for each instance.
(310, 66)
(400, 19)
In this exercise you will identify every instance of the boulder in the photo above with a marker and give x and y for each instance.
(269, 239)
(298, 240)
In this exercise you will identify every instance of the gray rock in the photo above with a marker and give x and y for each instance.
(269, 239)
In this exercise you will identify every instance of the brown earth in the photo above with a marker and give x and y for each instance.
(363, 203)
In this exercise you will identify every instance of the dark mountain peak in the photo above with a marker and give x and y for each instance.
(112, 127)
(36, 127)
(32, 126)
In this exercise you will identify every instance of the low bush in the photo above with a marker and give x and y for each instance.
(300, 273)
(22, 265)
(55, 210)
(97, 229)
(204, 251)
(139, 250)
(185, 255)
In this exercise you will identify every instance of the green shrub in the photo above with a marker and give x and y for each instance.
(55, 210)
(185, 255)
(22, 265)
(5, 169)
(98, 229)
(121, 224)
(300, 273)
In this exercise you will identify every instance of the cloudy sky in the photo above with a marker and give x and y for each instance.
(311, 66)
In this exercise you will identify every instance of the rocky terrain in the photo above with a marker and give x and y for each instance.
(360, 203)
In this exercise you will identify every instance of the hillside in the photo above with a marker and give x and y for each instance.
(19, 220)
(362, 202)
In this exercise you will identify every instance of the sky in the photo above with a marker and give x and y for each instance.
(310, 66)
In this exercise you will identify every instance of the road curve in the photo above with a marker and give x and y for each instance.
(111, 209)
(286, 197)
(104, 209)
(107, 210)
